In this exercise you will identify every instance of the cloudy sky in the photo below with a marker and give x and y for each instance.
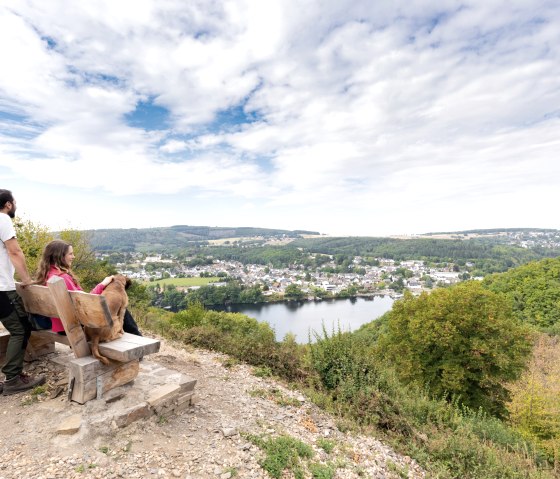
(347, 117)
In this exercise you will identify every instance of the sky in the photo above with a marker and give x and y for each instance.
(346, 117)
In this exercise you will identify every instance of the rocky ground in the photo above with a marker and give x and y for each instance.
(212, 439)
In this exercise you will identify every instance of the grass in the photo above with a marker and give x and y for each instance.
(322, 471)
(34, 395)
(230, 362)
(262, 372)
(186, 282)
(282, 453)
(276, 396)
(233, 471)
(326, 445)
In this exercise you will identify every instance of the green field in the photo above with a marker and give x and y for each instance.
(186, 282)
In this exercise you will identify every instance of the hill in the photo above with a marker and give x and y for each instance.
(207, 440)
(172, 238)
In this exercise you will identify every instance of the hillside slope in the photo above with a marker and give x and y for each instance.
(204, 442)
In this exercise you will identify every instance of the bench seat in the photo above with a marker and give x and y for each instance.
(124, 349)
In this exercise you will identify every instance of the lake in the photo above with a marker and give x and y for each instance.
(300, 317)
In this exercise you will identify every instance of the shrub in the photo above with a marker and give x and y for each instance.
(460, 342)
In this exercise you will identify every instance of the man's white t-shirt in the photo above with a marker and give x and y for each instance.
(7, 269)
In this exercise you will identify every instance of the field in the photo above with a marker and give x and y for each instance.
(186, 282)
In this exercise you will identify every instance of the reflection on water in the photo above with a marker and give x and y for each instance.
(301, 318)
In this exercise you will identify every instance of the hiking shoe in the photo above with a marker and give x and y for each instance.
(22, 382)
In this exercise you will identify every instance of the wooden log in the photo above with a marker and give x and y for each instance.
(4, 338)
(37, 299)
(91, 309)
(91, 376)
(67, 315)
(129, 347)
(38, 346)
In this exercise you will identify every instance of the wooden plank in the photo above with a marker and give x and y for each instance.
(37, 299)
(66, 313)
(91, 309)
(49, 334)
(129, 347)
(87, 371)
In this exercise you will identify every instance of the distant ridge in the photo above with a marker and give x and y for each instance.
(178, 236)
(492, 231)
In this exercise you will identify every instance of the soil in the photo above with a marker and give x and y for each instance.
(208, 440)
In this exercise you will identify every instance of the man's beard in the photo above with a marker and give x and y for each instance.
(12, 213)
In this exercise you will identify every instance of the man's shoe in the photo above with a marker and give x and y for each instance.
(22, 382)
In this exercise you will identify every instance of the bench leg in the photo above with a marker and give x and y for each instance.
(92, 379)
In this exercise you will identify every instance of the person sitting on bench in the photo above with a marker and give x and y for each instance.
(57, 261)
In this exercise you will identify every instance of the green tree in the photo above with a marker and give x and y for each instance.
(534, 292)
(173, 299)
(32, 237)
(293, 292)
(251, 295)
(462, 342)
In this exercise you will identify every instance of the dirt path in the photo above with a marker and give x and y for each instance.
(206, 441)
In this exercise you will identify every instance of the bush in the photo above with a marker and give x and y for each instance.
(242, 337)
(460, 342)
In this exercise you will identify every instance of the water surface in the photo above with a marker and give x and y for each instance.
(301, 317)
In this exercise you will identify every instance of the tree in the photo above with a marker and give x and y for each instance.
(535, 403)
(460, 342)
(293, 292)
(251, 295)
(32, 237)
(174, 299)
(534, 292)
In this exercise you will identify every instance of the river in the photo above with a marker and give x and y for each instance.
(301, 317)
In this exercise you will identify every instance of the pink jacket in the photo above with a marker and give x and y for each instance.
(72, 286)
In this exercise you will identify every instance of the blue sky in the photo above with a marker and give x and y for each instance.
(344, 117)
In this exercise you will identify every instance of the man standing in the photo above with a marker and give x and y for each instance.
(12, 313)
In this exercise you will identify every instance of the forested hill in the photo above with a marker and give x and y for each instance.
(431, 249)
(174, 238)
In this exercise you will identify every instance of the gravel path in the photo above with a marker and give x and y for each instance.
(206, 441)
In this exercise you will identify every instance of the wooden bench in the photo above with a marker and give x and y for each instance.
(89, 378)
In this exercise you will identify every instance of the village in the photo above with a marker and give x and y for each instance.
(387, 277)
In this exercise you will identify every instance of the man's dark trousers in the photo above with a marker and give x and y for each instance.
(17, 324)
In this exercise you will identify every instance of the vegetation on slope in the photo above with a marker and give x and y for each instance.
(534, 292)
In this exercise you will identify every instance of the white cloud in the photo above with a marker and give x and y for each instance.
(357, 111)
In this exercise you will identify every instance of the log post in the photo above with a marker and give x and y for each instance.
(66, 312)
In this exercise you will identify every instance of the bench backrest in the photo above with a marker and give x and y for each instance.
(74, 308)
(90, 309)
(38, 300)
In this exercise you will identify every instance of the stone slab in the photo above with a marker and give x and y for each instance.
(163, 394)
(128, 416)
(70, 425)
(169, 392)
